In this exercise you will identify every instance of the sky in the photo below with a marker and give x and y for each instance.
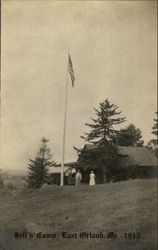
(113, 50)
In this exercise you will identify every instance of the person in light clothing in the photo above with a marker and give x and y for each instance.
(78, 178)
(92, 179)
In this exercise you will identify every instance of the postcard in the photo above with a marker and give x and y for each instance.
(78, 125)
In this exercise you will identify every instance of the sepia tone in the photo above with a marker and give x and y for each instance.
(113, 51)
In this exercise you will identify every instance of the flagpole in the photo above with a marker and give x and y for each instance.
(64, 130)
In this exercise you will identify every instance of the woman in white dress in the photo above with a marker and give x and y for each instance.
(92, 179)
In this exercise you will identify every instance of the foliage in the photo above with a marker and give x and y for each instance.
(54, 179)
(107, 164)
(130, 136)
(152, 145)
(102, 130)
(155, 127)
(97, 159)
(38, 168)
(102, 135)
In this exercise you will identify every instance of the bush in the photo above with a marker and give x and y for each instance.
(121, 173)
(54, 179)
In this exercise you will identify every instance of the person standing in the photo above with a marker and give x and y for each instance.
(92, 179)
(78, 178)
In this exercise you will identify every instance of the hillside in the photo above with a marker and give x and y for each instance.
(121, 207)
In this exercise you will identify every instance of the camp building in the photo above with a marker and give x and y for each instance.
(141, 159)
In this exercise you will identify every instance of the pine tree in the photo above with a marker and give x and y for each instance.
(155, 127)
(102, 130)
(104, 162)
(154, 142)
(38, 168)
(130, 136)
(102, 136)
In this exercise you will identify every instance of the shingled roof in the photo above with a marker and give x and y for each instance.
(139, 156)
(135, 155)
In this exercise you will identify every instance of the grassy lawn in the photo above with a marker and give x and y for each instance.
(121, 207)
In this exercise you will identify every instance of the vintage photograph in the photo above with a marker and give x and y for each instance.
(79, 126)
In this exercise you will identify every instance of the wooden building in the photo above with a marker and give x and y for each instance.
(144, 160)
(140, 160)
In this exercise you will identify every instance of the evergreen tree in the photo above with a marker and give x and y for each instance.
(38, 168)
(130, 136)
(102, 130)
(154, 142)
(155, 127)
(103, 161)
(102, 136)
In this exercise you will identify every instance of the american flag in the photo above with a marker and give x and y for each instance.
(70, 70)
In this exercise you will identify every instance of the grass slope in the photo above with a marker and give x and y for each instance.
(121, 207)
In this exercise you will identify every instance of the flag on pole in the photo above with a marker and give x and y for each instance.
(72, 76)
(70, 70)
